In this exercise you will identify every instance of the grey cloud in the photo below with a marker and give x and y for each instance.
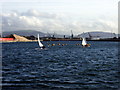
(47, 22)
(36, 13)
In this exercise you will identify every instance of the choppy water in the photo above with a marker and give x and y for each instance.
(69, 66)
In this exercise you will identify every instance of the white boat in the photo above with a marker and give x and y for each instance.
(84, 43)
(40, 44)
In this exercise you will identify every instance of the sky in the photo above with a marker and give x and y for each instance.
(59, 16)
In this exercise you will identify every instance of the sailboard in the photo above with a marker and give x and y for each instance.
(84, 43)
(40, 44)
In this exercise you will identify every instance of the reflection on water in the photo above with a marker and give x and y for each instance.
(68, 66)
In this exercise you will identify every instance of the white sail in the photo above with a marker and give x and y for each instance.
(40, 44)
(84, 41)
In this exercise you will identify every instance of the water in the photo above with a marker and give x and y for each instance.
(70, 66)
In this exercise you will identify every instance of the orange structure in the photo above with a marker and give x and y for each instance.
(6, 39)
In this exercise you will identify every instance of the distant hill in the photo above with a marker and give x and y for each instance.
(98, 35)
(30, 33)
(24, 33)
(34, 33)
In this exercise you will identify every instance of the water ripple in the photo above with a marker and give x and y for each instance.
(67, 66)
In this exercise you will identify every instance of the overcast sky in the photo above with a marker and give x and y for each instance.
(60, 16)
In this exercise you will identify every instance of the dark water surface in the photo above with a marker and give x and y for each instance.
(69, 66)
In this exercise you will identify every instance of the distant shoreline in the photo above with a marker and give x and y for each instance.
(18, 38)
(114, 40)
(61, 39)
